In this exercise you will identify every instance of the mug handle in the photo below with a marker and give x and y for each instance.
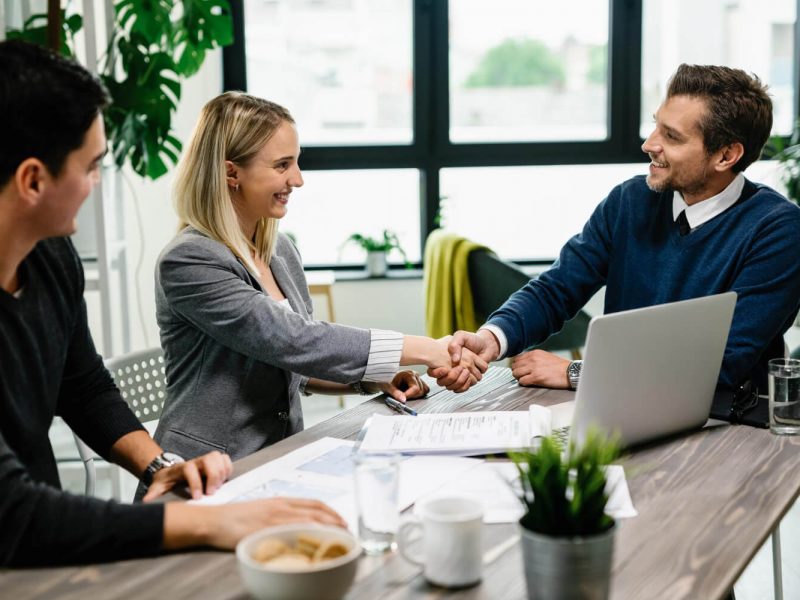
(408, 525)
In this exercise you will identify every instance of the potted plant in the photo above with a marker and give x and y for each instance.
(378, 250)
(788, 156)
(567, 539)
(152, 47)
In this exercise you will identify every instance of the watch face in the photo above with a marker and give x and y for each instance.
(172, 457)
(574, 369)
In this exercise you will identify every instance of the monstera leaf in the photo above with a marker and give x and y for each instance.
(139, 120)
(205, 23)
(157, 43)
(149, 18)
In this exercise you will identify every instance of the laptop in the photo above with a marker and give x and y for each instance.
(650, 372)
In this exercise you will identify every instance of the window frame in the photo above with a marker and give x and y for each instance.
(431, 148)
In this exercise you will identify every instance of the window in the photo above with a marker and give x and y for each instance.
(549, 204)
(332, 205)
(343, 68)
(483, 116)
(520, 72)
(747, 34)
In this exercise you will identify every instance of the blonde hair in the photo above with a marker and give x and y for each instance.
(233, 126)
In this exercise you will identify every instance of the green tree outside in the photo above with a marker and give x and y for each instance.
(517, 63)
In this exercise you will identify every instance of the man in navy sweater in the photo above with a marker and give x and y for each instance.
(694, 226)
(50, 151)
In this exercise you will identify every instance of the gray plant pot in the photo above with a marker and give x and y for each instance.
(376, 264)
(567, 568)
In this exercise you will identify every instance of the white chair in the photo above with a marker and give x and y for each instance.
(141, 380)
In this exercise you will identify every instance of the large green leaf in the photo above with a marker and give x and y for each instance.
(150, 18)
(140, 117)
(204, 24)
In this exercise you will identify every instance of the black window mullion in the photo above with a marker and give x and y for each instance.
(625, 79)
(234, 57)
(426, 116)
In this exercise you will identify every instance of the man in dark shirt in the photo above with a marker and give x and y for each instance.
(50, 150)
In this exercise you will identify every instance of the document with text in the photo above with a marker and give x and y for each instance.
(463, 434)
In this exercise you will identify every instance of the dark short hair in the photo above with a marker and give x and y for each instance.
(47, 103)
(738, 108)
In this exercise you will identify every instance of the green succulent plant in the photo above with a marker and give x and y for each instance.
(565, 493)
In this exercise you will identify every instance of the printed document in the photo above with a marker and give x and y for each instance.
(467, 433)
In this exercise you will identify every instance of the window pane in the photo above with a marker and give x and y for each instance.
(747, 34)
(530, 212)
(521, 71)
(533, 211)
(342, 67)
(332, 205)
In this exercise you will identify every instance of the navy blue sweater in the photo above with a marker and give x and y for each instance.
(632, 245)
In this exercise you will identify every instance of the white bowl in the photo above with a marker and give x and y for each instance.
(326, 580)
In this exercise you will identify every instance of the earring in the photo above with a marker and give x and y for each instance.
(236, 188)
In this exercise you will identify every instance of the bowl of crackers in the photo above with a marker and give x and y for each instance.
(293, 562)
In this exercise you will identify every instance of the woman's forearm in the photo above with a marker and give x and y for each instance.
(421, 350)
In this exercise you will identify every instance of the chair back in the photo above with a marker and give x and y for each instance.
(141, 379)
(493, 280)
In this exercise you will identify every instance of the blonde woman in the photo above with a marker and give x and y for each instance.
(233, 306)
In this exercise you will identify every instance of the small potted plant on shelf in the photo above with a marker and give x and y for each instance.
(378, 250)
(567, 539)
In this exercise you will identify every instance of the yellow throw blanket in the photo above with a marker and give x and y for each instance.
(448, 296)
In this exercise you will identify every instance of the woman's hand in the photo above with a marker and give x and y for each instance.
(215, 466)
(406, 385)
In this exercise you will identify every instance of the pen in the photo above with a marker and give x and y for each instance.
(399, 406)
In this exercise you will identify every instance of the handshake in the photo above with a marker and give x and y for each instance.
(464, 359)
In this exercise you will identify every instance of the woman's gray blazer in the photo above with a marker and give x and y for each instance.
(234, 357)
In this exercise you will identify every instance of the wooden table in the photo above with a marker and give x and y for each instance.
(706, 500)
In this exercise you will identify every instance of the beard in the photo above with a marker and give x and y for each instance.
(692, 185)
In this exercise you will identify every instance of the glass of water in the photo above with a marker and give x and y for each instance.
(784, 396)
(377, 480)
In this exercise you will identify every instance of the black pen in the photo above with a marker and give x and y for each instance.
(399, 406)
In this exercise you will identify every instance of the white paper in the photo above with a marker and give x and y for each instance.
(452, 433)
(323, 470)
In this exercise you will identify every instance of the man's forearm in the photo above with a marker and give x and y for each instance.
(134, 451)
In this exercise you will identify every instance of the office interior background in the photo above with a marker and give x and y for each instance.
(506, 122)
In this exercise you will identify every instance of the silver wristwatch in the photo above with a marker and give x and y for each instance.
(574, 373)
(162, 461)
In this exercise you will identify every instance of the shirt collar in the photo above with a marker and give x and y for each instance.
(707, 209)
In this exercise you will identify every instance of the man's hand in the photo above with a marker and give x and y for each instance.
(223, 526)
(541, 368)
(215, 466)
(238, 520)
(405, 385)
(483, 343)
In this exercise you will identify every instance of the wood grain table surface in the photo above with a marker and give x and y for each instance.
(707, 500)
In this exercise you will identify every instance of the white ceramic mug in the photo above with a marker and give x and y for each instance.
(451, 539)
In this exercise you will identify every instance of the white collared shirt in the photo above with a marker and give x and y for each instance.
(707, 209)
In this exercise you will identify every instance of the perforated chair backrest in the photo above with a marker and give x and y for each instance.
(141, 379)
